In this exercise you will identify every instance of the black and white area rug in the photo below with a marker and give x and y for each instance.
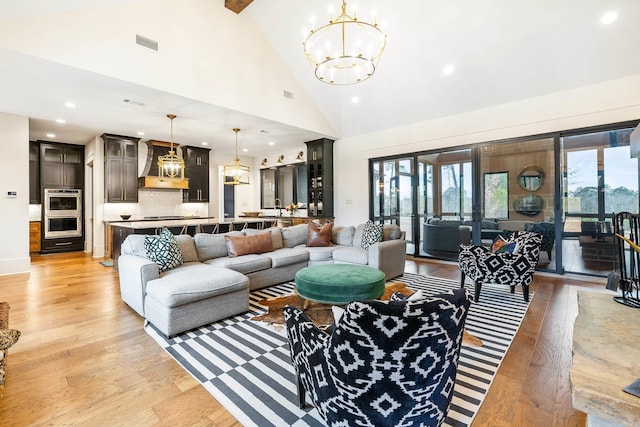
(246, 365)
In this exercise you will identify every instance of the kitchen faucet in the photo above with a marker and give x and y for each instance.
(278, 205)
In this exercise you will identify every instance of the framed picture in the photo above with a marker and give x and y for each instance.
(496, 195)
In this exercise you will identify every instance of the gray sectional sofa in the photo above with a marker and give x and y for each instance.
(446, 235)
(211, 285)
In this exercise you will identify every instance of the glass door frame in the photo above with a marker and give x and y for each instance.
(476, 195)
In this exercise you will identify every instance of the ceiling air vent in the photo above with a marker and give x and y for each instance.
(146, 42)
(287, 94)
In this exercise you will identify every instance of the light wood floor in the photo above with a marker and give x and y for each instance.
(84, 359)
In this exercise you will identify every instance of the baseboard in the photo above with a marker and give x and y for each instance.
(15, 266)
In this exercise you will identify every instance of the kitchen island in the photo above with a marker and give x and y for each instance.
(118, 230)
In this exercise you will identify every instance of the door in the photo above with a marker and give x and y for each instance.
(393, 195)
(599, 179)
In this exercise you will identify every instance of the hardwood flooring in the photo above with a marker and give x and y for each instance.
(84, 359)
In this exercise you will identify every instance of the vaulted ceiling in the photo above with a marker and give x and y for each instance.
(498, 51)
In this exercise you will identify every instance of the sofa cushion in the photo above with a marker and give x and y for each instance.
(294, 235)
(287, 256)
(244, 264)
(484, 225)
(445, 222)
(319, 236)
(276, 235)
(133, 245)
(187, 247)
(357, 236)
(321, 253)
(343, 235)
(371, 234)
(211, 246)
(194, 282)
(244, 245)
(163, 250)
(351, 255)
(391, 232)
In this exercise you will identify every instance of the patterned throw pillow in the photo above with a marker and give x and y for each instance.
(511, 248)
(371, 233)
(498, 243)
(163, 250)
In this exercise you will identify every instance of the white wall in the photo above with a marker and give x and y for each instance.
(14, 226)
(609, 102)
(202, 55)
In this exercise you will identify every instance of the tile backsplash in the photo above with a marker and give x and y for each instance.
(155, 203)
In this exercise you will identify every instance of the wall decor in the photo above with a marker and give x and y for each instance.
(531, 178)
(529, 205)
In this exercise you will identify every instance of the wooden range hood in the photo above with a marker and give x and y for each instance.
(150, 177)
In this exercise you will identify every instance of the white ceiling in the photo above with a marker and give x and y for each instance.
(501, 51)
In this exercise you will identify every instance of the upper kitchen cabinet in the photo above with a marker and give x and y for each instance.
(320, 177)
(120, 168)
(35, 195)
(61, 165)
(196, 161)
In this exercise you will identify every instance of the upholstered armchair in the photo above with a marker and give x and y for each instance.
(385, 363)
(511, 267)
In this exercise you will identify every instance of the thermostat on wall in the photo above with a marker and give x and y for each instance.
(12, 194)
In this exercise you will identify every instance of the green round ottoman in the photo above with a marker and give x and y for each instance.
(339, 283)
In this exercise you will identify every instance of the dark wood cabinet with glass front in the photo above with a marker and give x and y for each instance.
(320, 177)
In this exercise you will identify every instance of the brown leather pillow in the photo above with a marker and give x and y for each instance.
(319, 236)
(243, 245)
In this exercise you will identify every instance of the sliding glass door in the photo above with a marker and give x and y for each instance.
(564, 185)
(599, 179)
(393, 195)
(444, 192)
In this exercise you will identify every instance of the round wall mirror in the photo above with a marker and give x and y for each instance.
(531, 178)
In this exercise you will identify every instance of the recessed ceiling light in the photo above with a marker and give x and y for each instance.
(51, 135)
(204, 143)
(244, 150)
(140, 133)
(609, 17)
(447, 70)
(272, 143)
(61, 121)
(70, 104)
(355, 100)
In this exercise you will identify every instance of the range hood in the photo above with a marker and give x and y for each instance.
(150, 177)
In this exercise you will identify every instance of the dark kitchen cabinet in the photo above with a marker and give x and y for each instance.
(61, 165)
(120, 168)
(320, 177)
(196, 161)
(35, 195)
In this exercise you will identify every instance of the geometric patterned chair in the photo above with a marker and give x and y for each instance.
(482, 265)
(386, 363)
(548, 232)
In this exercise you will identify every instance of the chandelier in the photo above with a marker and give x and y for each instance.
(171, 165)
(345, 51)
(235, 173)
